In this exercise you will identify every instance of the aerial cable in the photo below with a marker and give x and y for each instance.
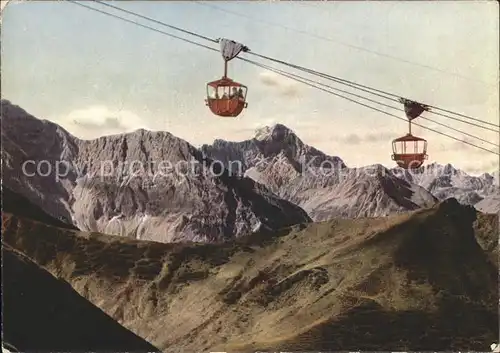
(398, 100)
(305, 81)
(394, 99)
(462, 115)
(468, 122)
(155, 21)
(142, 25)
(377, 102)
(377, 92)
(314, 72)
(277, 71)
(339, 42)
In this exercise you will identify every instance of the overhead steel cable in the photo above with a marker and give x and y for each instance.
(141, 25)
(156, 21)
(306, 81)
(289, 75)
(349, 84)
(311, 71)
(283, 73)
(374, 92)
(462, 115)
(209, 5)
(377, 92)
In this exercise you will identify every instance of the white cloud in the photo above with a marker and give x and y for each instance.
(96, 121)
(280, 84)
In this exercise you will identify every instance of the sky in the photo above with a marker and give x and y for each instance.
(96, 75)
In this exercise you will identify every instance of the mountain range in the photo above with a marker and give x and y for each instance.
(141, 241)
(325, 187)
(137, 185)
(151, 185)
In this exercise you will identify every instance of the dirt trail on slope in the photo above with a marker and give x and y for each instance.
(416, 281)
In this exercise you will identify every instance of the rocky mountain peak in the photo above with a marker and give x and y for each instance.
(143, 184)
(277, 132)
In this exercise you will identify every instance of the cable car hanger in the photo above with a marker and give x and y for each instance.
(330, 77)
(404, 157)
(297, 78)
(225, 97)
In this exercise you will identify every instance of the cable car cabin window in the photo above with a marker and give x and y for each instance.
(409, 147)
(417, 147)
(233, 92)
(399, 147)
(227, 92)
(212, 92)
(223, 92)
(421, 147)
(240, 92)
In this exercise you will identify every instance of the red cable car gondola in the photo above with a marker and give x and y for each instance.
(410, 151)
(226, 97)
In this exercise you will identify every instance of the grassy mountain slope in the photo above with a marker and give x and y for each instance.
(418, 281)
(42, 313)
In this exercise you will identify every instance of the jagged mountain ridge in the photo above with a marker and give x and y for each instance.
(445, 181)
(269, 144)
(331, 191)
(490, 204)
(322, 185)
(276, 158)
(147, 185)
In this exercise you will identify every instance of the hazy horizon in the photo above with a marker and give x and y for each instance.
(95, 75)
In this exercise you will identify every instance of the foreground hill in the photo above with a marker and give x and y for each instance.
(416, 281)
(144, 185)
(42, 313)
